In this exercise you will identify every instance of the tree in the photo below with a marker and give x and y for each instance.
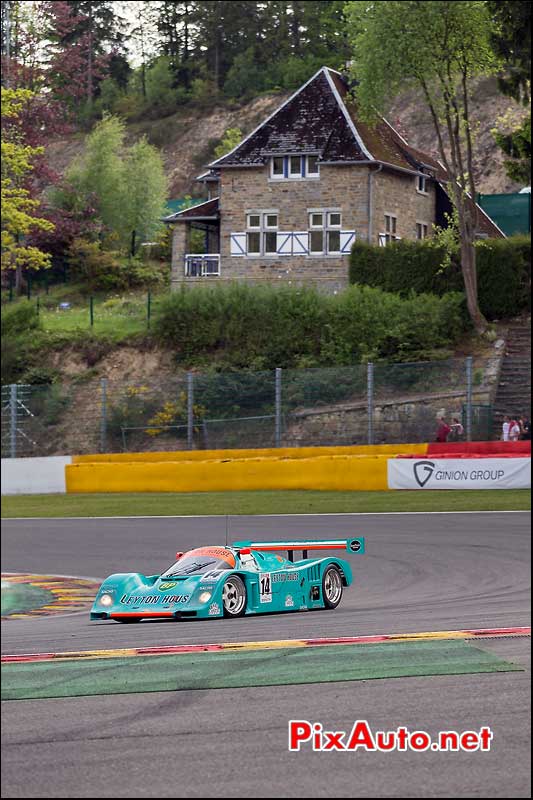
(511, 39)
(18, 219)
(83, 37)
(517, 145)
(126, 187)
(231, 139)
(436, 46)
(145, 193)
(99, 175)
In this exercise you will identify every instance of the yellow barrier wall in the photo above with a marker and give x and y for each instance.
(335, 472)
(277, 453)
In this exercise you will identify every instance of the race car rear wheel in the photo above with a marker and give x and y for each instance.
(234, 597)
(332, 587)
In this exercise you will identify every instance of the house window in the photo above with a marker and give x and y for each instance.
(312, 166)
(278, 167)
(294, 167)
(421, 230)
(254, 221)
(421, 184)
(390, 230)
(316, 242)
(261, 234)
(324, 233)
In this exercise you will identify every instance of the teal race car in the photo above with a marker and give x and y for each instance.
(230, 581)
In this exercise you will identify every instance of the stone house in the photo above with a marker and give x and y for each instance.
(287, 203)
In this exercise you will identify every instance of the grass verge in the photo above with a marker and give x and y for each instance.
(282, 502)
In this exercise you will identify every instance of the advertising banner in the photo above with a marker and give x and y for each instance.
(459, 473)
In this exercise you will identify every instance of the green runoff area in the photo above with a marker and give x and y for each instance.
(231, 670)
(265, 502)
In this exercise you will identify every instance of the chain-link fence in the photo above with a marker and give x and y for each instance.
(360, 404)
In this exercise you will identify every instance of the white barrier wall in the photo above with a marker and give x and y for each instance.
(459, 473)
(34, 475)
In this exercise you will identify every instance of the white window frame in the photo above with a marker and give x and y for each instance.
(262, 230)
(336, 225)
(273, 175)
(294, 175)
(311, 223)
(389, 235)
(249, 226)
(326, 227)
(425, 233)
(424, 190)
(308, 173)
(288, 174)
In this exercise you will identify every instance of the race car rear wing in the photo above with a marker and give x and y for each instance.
(354, 545)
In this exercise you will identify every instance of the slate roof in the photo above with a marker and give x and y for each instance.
(321, 118)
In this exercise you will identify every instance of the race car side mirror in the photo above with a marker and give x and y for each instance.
(178, 555)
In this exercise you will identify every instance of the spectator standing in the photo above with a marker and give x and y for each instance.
(443, 429)
(526, 429)
(505, 428)
(514, 431)
(457, 430)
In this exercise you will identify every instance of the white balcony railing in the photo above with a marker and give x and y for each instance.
(202, 265)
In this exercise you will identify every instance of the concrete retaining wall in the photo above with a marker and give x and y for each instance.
(34, 475)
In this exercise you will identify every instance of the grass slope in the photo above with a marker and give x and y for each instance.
(281, 502)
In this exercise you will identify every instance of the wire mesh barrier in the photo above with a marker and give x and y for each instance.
(359, 404)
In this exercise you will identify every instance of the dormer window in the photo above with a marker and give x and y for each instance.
(278, 167)
(294, 168)
(421, 184)
(312, 166)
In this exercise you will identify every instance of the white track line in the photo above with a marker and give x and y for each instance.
(323, 514)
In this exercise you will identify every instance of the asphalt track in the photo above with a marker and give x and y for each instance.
(420, 573)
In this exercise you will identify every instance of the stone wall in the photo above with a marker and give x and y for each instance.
(342, 187)
(395, 193)
(411, 419)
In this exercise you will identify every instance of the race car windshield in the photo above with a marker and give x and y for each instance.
(196, 562)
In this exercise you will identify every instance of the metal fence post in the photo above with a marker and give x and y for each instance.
(13, 419)
(370, 401)
(103, 416)
(469, 385)
(148, 309)
(91, 311)
(190, 409)
(278, 407)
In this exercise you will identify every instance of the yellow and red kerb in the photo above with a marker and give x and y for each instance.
(69, 593)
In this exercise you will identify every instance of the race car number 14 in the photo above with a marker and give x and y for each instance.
(265, 587)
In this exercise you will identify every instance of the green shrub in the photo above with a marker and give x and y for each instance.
(41, 375)
(20, 322)
(504, 271)
(100, 269)
(21, 317)
(271, 327)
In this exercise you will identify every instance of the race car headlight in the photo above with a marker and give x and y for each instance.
(106, 600)
(204, 597)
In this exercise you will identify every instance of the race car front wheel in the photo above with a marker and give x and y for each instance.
(332, 587)
(234, 597)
